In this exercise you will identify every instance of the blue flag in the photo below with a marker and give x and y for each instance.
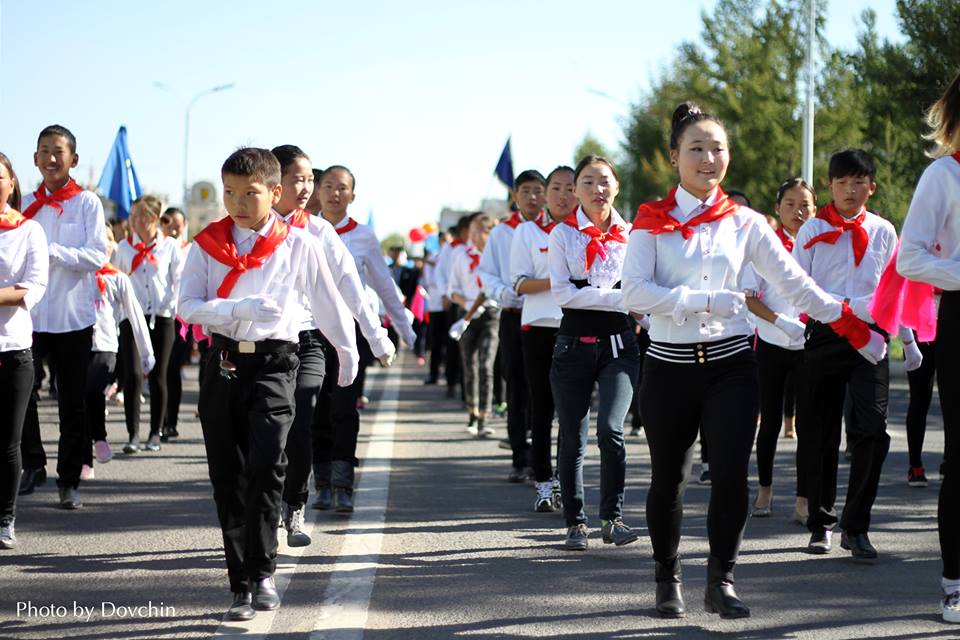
(119, 181)
(504, 170)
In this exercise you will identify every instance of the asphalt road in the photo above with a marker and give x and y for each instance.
(442, 546)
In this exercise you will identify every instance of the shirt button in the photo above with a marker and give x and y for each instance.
(700, 353)
(701, 360)
(706, 277)
(700, 346)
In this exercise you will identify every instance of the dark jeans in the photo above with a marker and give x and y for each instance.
(16, 387)
(833, 367)
(130, 379)
(537, 344)
(478, 349)
(179, 357)
(948, 382)
(513, 365)
(921, 393)
(719, 399)
(775, 365)
(161, 337)
(245, 423)
(69, 353)
(310, 376)
(577, 366)
(99, 375)
(437, 339)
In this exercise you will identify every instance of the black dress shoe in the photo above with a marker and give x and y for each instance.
(858, 544)
(343, 499)
(241, 609)
(265, 596)
(720, 596)
(819, 542)
(669, 590)
(30, 479)
(324, 499)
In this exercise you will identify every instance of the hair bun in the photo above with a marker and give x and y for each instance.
(683, 111)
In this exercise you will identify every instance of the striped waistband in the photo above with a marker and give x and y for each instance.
(699, 353)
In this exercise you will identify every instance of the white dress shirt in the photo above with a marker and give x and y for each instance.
(768, 332)
(495, 267)
(528, 259)
(344, 271)
(119, 303)
(363, 245)
(930, 238)
(566, 258)
(296, 265)
(156, 285)
(833, 267)
(432, 285)
(660, 269)
(465, 281)
(24, 262)
(77, 244)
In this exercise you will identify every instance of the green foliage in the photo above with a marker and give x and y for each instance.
(591, 146)
(392, 240)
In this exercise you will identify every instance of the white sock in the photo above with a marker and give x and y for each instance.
(950, 586)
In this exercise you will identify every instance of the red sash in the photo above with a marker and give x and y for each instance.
(106, 270)
(143, 252)
(350, 226)
(598, 240)
(655, 216)
(62, 194)
(11, 219)
(785, 239)
(300, 218)
(217, 240)
(859, 237)
(456, 243)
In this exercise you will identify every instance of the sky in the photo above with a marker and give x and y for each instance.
(416, 97)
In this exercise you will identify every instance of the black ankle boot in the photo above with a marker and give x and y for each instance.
(720, 596)
(342, 478)
(669, 589)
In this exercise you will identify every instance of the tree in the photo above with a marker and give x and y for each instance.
(591, 146)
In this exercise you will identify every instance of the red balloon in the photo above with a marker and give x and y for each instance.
(417, 235)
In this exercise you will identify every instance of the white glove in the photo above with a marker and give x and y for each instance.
(875, 350)
(859, 308)
(258, 308)
(349, 366)
(645, 322)
(387, 359)
(409, 338)
(726, 304)
(791, 326)
(912, 356)
(691, 301)
(147, 362)
(457, 329)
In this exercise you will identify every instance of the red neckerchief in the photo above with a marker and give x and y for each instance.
(655, 216)
(785, 239)
(350, 226)
(300, 218)
(550, 223)
(956, 156)
(859, 238)
(474, 262)
(11, 219)
(598, 240)
(62, 194)
(456, 243)
(515, 220)
(106, 270)
(217, 240)
(144, 251)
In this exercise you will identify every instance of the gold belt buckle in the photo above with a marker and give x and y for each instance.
(245, 346)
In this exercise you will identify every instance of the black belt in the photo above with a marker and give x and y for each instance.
(250, 346)
(698, 353)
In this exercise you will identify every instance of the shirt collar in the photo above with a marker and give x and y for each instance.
(583, 221)
(689, 203)
(241, 235)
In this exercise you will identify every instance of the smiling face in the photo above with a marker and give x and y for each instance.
(560, 197)
(702, 158)
(795, 207)
(850, 193)
(596, 188)
(7, 184)
(143, 223)
(247, 201)
(54, 158)
(297, 184)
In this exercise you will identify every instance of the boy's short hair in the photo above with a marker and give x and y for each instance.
(335, 167)
(256, 163)
(317, 175)
(852, 163)
(58, 130)
(530, 175)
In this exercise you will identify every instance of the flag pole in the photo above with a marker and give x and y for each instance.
(807, 170)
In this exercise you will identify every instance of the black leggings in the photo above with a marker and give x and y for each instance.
(921, 393)
(161, 337)
(16, 385)
(179, 357)
(774, 364)
(130, 379)
(537, 344)
(948, 381)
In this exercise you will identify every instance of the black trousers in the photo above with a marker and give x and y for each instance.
(69, 353)
(16, 387)
(130, 378)
(453, 369)
(676, 400)
(310, 377)
(161, 337)
(99, 375)
(537, 347)
(437, 341)
(512, 364)
(948, 382)
(643, 341)
(832, 367)
(336, 420)
(921, 393)
(245, 422)
(179, 357)
(775, 365)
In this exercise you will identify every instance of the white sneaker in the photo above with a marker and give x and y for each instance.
(951, 607)
(8, 536)
(544, 502)
(486, 430)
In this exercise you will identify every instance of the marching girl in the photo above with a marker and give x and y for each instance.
(779, 348)
(595, 345)
(154, 263)
(23, 280)
(684, 265)
(930, 252)
(540, 320)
